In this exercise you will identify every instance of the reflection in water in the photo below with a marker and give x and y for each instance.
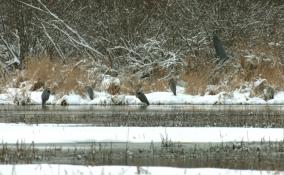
(153, 115)
(45, 108)
(143, 107)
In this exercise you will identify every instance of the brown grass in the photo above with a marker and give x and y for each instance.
(196, 81)
(155, 82)
(197, 74)
(200, 72)
(60, 78)
(129, 85)
(272, 73)
(113, 89)
(271, 70)
(158, 85)
(132, 83)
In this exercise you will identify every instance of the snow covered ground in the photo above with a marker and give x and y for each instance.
(69, 133)
(155, 98)
(53, 169)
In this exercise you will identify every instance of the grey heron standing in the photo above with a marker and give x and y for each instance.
(173, 84)
(220, 51)
(90, 92)
(142, 97)
(45, 96)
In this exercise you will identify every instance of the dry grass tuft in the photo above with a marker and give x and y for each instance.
(37, 85)
(19, 78)
(60, 78)
(267, 64)
(132, 83)
(113, 89)
(69, 80)
(129, 85)
(196, 81)
(158, 85)
(272, 72)
(197, 74)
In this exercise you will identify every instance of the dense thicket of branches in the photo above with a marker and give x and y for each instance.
(131, 35)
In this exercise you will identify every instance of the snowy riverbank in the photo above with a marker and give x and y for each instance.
(155, 98)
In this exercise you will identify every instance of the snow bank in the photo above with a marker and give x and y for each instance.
(54, 169)
(69, 133)
(239, 96)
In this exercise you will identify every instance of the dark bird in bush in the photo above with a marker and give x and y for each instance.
(90, 92)
(173, 85)
(220, 51)
(142, 97)
(45, 96)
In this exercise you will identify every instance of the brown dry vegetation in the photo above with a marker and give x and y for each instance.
(60, 78)
(196, 77)
(158, 85)
(132, 83)
(266, 63)
(155, 83)
(200, 71)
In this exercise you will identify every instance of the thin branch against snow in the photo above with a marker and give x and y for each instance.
(131, 51)
(81, 39)
(34, 7)
(78, 63)
(74, 40)
(15, 59)
(171, 61)
(68, 31)
(145, 57)
(51, 40)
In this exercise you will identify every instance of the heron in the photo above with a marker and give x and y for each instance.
(90, 92)
(45, 96)
(142, 97)
(220, 51)
(173, 84)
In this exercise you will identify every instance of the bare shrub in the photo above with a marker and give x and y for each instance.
(139, 38)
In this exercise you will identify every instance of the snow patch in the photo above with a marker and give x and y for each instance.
(108, 80)
(70, 133)
(57, 169)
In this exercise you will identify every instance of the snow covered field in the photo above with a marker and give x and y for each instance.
(53, 169)
(69, 133)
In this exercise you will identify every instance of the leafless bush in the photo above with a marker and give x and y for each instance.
(134, 36)
(145, 57)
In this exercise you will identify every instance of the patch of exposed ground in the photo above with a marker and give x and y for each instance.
(264, 155)
(183, 116)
